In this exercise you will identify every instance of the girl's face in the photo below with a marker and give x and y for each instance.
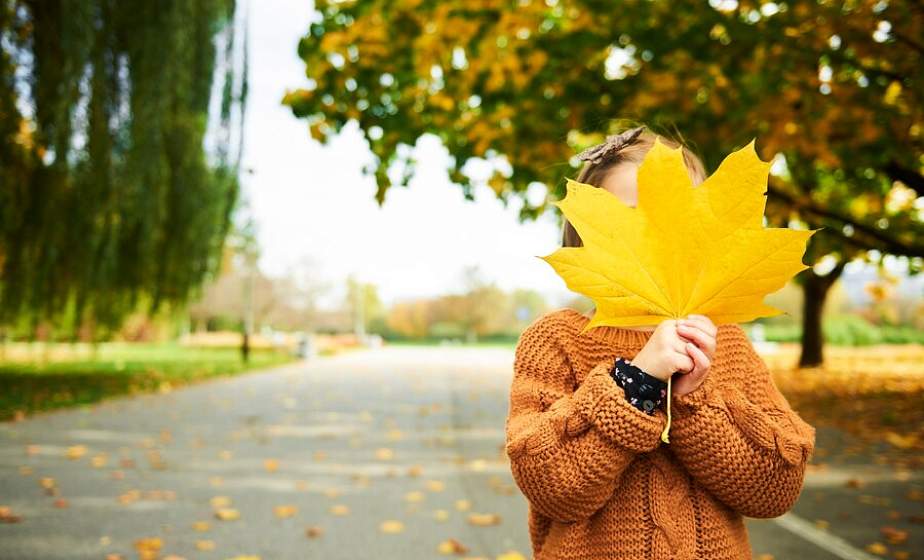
(622, 180)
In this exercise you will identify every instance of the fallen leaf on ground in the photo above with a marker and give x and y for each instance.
(284, 512)
(391, 527)
(7, 515)
(415, 496)
(484, 519)
(900, 441)
(339, 509)
(313, 531)
(452, 546)
(227, 514)
(76, 451)
(220, 501)
(149, 547)
(893, 535)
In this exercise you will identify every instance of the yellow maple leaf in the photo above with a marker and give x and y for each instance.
(683, 250)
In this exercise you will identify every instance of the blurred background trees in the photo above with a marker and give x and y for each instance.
(831, 90)
(122, 132)
(117, 186)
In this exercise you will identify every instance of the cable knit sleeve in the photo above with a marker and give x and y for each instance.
(569, 446)
(739, 437)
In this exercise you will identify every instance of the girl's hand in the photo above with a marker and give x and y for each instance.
(664, 353)
(698, 332)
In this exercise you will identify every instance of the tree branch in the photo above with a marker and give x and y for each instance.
(910, 177)
(888, 244)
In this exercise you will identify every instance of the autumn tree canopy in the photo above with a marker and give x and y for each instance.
(834, 88)
(831, 91)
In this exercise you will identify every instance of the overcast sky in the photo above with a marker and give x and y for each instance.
(312, 202)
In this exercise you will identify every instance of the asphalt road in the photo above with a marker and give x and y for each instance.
(387, 453)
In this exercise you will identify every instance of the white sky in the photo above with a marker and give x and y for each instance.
(312, 202)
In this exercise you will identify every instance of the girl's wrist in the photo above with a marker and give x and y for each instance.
(643, 390)
(641, 362)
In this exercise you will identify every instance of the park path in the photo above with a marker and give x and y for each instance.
(387, 453)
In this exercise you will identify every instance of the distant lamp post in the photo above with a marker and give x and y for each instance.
(359, 309)
(250, 256)
(250, 251)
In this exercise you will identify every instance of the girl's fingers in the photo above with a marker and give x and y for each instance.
(706, 321)
(696, 324)
(702, 322)
(702, 339)
(684, 363)
(700, 359)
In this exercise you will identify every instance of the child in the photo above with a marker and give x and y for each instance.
(587, 411)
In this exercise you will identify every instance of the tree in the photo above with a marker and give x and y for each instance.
(109, 199)
(410, 318)
(362, 299)
(245, 253)
(833, 90)
(287, 302)
(486, 305)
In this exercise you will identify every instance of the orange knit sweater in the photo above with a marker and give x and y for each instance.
(599, 481)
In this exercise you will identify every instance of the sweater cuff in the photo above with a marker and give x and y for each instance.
(643, 390)
(601, 403)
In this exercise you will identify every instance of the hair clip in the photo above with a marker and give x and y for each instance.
(610, 146)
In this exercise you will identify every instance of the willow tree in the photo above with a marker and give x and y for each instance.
(116, 186)
(832, 89)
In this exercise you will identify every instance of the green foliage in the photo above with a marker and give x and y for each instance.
(832, 87)
(901, 335)
(108, 197)
(116, 369)
(848, 330)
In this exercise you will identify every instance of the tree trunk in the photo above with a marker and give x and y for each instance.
(815, 291)
(245, 346)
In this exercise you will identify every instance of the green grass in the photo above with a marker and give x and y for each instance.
(849, 330)
(505, 343)
(46, 377)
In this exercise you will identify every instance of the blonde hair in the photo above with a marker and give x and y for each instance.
(594, 173)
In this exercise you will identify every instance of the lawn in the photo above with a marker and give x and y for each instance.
(37, 377)
(875, 393)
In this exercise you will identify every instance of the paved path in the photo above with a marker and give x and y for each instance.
(315, 458)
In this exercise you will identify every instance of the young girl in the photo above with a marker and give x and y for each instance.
(586, 414)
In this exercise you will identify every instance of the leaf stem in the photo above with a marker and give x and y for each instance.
(667, 426)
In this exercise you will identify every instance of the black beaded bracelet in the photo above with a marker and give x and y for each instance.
(643, 390)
